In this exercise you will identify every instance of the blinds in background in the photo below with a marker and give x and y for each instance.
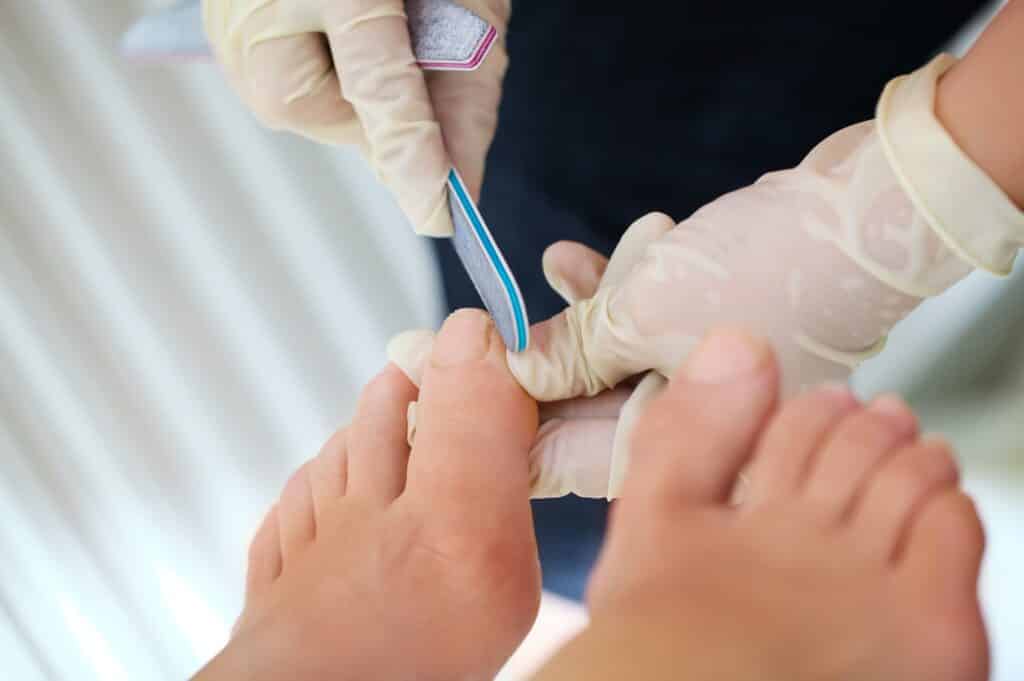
(188, 306)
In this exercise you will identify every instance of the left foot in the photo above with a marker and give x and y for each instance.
(383, 563)
(853, 557)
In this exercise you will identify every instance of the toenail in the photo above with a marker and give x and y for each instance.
(726, 356)
(465, 337)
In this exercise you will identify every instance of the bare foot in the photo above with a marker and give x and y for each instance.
(381, 563)
(853, 557)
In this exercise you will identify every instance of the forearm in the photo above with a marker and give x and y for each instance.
(980, 101)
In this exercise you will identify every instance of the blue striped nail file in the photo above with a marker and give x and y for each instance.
(486, 267)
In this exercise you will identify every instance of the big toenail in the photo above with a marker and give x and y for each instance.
(726, 356)
(464, 337)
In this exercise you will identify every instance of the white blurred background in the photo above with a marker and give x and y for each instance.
(188, 307)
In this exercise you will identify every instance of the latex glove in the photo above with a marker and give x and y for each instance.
(580, 442)
(822, 259)
(343, 72)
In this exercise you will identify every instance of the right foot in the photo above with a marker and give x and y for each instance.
(853, 556)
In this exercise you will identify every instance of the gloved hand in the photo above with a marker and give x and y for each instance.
(343, 72)
(574, 450)
(822, 259)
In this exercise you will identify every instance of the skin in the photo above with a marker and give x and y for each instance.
(980, 101)
(378, 562)
(852, 556)
(381, 562)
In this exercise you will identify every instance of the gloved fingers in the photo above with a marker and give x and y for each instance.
(279, 62)
(604, 405)
(291, 84)
(410, 351)
(576, 271)
(573, 270)
(633, 244)
(649, 388)
(466, 102)
(369, 41)
(466, 106)
(583, 350)
(572, 457)
(589, 348)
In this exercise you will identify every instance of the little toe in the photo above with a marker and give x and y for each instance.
(898, 490)
(264, 561)
(475, 425)
(378, 451)
(690, 444)
(783, 457)
(944, 546)
(857, 445)
(296, 514)
(938, 567)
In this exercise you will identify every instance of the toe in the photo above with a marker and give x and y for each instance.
(693, 440)
(784, 454)
(295, 513)
(860, 443)
(944, 546)
(896, 492)
(378, 451)
(475, 425)
(939, 568)
(264, 555)
(328, 471)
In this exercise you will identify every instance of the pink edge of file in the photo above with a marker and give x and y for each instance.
(470, 64)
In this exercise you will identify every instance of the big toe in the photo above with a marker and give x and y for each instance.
(693, 440)
(475, 424)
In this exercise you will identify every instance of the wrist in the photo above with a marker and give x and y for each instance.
(957, 197)
(980, 102)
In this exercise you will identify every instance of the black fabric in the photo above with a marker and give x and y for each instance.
(613, 110)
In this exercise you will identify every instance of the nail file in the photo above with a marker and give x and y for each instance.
(445, 37)
(486, 267)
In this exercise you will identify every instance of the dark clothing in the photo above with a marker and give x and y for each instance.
(612, 111)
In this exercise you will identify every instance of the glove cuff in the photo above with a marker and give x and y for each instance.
(971, 214)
